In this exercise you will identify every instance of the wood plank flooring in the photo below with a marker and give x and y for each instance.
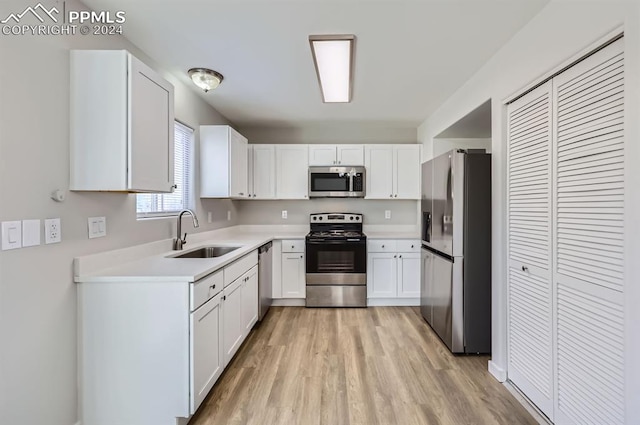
(379, 365)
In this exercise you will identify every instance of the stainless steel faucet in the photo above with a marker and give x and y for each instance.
(179, 242)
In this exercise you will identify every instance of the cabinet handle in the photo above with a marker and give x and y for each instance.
(400, 256)
(301, 256)
(224, 297)
(391, 196)
(525, 268)
(395, 256)
(241, 194)
(411, 246)
(212, 287)
(396, 195)
(254, 195)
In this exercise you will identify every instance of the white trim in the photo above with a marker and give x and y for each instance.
(609, 37)
(498, 372)
(393, 302)
(527, 404)
(288, 302)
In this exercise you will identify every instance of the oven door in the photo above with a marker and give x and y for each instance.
(336, 262)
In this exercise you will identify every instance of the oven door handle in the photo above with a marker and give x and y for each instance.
(330, 242)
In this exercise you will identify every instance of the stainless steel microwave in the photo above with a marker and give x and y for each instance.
(336, 182)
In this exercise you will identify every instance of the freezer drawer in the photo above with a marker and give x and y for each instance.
(426, 285)
(447, 301)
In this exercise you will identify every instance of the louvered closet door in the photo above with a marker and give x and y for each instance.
(588, 238)
(530, 350)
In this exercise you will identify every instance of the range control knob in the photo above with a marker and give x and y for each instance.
(358, 218)
(315, 218)
(320, 218)
(351, 218)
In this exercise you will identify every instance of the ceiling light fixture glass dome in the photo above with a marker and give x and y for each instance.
(206, 79)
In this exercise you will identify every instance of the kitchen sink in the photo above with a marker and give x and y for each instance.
(208, 252)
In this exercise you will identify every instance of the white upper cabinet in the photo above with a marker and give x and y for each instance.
(393, 171)
(121, 124)
(336, 155)
(292, 175)
(262, 171)
(224, 162)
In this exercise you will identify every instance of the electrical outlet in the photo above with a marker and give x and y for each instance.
(52, 231)
(387, 214)
(284, 214)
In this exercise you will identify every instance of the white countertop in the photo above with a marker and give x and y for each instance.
(154, 262)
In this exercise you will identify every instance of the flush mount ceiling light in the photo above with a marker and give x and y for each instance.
(206, 79)
(333, 59)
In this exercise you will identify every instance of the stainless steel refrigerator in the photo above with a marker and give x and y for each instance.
(456, 249)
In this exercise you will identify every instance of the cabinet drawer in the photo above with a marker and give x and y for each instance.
(205, 288)
(240, 267)
(381, 245)
(408, 245)
(293, 245)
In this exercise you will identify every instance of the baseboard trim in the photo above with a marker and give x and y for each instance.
(499, 373)
(527, 404)
(288, 302)
(393, 302)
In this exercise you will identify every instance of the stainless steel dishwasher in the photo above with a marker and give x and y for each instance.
(265, 266)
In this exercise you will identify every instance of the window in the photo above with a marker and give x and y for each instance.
(168, 204)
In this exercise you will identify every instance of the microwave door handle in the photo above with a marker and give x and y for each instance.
(350, 183)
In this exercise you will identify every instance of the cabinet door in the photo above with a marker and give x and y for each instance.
(322, 155)
(406, 163)
(232, 323)
(379, 164)
(263, 172)
(250, 299)
(409, 274)
(150, 138)
(350, 154)
(292, 180)
(206, 349)
(382, 275)
(530, 291)
(239, 165)
(293, 276)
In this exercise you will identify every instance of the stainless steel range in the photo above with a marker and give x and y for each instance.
(336, 251)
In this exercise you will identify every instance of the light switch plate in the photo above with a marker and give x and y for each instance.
(97, 227)
(284, 214)
(11, 235)
(387, 214)
(52, 231)
(30, 233)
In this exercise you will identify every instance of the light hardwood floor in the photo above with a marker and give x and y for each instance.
(379, 365)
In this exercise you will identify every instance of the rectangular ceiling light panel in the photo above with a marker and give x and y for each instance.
(333, 59)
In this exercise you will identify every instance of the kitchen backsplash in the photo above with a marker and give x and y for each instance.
(270, 212)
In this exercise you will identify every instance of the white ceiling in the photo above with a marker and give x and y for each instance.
(410, 55)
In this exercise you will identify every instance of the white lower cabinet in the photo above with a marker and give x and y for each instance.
(293, 275)
(393, 272)
(207, 359)
(232, 321)
(141, 342)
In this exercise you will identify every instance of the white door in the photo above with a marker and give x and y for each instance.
(293, 276)
(406, 163)
(409, 274)
(530, 299)
(264, 171)
(589, 201)
(382, 275)
(238, 165)
(250, 299)
(322, 155)
(379, 166)
(350, 154)
(233, 333)
(150, 130)
(292, 165)
(206, 349)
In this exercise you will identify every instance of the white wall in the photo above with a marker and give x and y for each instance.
(558, 32)
(441, 145)
(37, 294)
